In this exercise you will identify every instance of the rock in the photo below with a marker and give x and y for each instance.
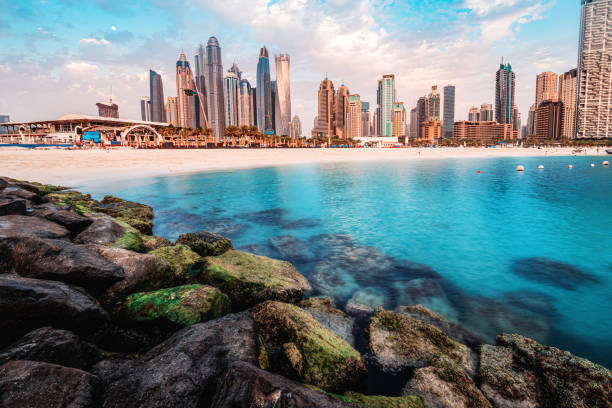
(301, 223)
(19, 226)
(298, 346)
(250, 279)
(143, 272)
(182, 371)
(54, 346)
(30, 384)
(244, 385)
(176, 307)
(274, 216)
(523, 373)
(371, 297)
(80, 203)
(27, 304)
(426, 292)
(452, 330)
(552, 272)
(71, 221)
(398, 342)
(185, 265)
(333, 280)
(153, 242)
(380, 401)
(55, 259)
(103, 231)
(137, 215)
(14, 192)
(13, 207)
(333, 319)
(3, 183)
(292, 249)
(205, 243)
(445, 385)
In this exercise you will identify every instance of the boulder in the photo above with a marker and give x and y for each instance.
(332, 279)
(333, 319)
(185, 265)
(205, 243)
(444, 384)
(523, 373)
(30, 384)
(398, 342)
(296, 345)
(381, 401)
(358, 310)
(292, 249)
(176, 307)
(250, 279)
(9, 206)
(64, 261)
(54, 346)
(153, 242)
(426, 292)
(182, 371)
(244, 385)
(80, 203)
(27, 304)
(103, 231)
(15, 192)
(3, 183)
(19, 225)
(372, 297)
(71, 221)
(137, 215)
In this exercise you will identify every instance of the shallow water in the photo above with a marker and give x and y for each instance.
(498, 251)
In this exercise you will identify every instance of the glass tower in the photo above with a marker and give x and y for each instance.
(449, 111)
(264, 93)
(504, 94)
(213, 83)
(156, 92)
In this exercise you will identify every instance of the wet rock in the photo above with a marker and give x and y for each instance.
(296, 345)
(444, 384)
(426, 292)
(358, 310)
(25, 384)
(273, 216)
(332, 280)
(205, 243)
(552, 272)
(71, 221)
(521, 372)
(324, 311)
(381, 401)
(530, 300)
(137, 215)
(182, 371)
(226, 227)
(185, 265)
(398, 342)
(292, 249)
(80, 203)
(247, 386)
(302, 223)
(12, 207)
(27, 304)
(451, 329)
(371, 297)
(64, 261)
(19, 226)
(332, 244)
(14, 192)
(103, 231)
(250, 279)
(175, 307)
(153, 242)
(54, 346)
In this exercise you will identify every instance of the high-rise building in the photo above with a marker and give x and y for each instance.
(549, 120)
(185, 91)
(231, 96)
(108, 110)
(516, 118)
(430, 131)
(421, 115)
(399, 120)
(414, 123)
(246, 104)
(433, 105)
(326, 112)
(156, 93)
(172, 111)
(342, 96)
(365, 119)
(296, 127)
(531, 119)
(567, 95)
(504, 93)
(264, 93)
(546, 87)
(213, 86)
(449, 111)
(376, 123)
(254, 108)
(474, 114)
(201, 107)
(352, 128)
(486, 113)
(283, 92)
(488, 131)
(275, 107)
(386, 97)
(145, 108)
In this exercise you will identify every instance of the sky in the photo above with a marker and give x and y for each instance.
(59, 57)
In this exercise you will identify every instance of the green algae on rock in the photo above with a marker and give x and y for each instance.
(153, 242)
(322, 305)
(299, 347)
(182, 305)
(250, 279)
(205, 243)
(186, 266)
(380, 401)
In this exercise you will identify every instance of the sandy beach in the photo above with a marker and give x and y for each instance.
(72, 167)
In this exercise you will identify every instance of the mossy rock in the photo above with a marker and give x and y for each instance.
(299, 347)
(251, 279)
(153, 242)
(131, 241)
(139, 216)
(381, 401)
(81, 203)
(321, 305)
(186, 266)
(180, 306)
(205, 243)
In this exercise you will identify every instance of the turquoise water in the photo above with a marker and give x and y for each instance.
(498, 251)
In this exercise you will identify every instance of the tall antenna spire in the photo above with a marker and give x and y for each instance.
(111, 95)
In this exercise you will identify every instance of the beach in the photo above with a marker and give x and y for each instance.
(72, 167)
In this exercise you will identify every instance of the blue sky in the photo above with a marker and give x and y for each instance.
(59, 57)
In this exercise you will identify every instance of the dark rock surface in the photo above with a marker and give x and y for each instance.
(30, 384)
(15, 192)
(12, 207)
(19, 225)
(324, 311)
(71, 221)
(552, 272)
(103, 231)
(205, 243)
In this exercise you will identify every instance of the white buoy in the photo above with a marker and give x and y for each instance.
(520, 168)
(592, 164)
(606, 163)
(541, 167)
(570, 167)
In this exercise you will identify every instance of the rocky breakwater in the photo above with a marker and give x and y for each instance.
(97, 312)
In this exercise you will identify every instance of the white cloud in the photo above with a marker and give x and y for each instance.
(113, 28)
(94, 41)
(81, 67)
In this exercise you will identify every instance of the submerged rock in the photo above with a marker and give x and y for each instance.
(205, 243)
(426, 292)
(273, 216)
(332, 280)
(186, 266)
(552, 272)
(292, 249)
(250, 279)
(296, 345)
(30, 384)
(19, 226)
(381, 401)
(371, 297)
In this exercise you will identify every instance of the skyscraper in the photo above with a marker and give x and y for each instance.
(275, 108)
(474, 114)
(264, 93)
(449, 111)
(325, 118)
(156, 93)
(231, 94)
(386, 97)
(486, 112)
(433, 105)
(108, 109)
(283, 89)
(594, 113)
(185, 91)
(365, 119)
(398, 113)
(353, 117)
(549, 120)
(296, 127)
(421, 115)
(546, 87)
(567, 96)
(213, 84)
(414, 123)
(172, 111)
(246, 104)
(504, 93)
(145, 108)
(341, 110)
(376, 123)
(200, 81)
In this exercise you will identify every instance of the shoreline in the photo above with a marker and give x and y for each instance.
(77, 167)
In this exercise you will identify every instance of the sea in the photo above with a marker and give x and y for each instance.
(488, 247)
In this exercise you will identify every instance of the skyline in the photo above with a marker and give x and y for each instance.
(358, 50)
